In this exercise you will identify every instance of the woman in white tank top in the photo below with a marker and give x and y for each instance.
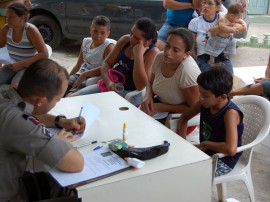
(23, 41)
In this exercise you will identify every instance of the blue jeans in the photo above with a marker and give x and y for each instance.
(6, 75)
(203, 62)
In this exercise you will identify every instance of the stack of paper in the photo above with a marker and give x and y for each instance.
(98, 164)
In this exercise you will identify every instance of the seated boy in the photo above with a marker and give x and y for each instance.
(221, 121)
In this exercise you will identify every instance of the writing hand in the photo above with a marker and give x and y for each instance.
(74, 125)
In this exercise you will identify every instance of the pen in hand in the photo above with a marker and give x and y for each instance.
(79, 117)
(78, 120)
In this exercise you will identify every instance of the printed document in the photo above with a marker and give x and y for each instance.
(98, 164)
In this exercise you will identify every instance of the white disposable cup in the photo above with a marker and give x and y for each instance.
(119, 87)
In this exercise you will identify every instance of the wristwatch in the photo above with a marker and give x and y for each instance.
(57, 119)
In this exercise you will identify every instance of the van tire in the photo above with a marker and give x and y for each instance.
(49, 29)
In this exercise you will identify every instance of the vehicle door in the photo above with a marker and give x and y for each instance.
(80, 13)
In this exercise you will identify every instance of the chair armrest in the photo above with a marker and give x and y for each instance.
(239, 149)
(195, 121)
(216, 156)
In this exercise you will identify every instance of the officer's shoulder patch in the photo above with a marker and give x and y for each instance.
(34, 120)
(46, 132)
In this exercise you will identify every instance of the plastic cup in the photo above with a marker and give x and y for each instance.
(119, 88)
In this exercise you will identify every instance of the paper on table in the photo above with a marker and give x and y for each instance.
(98, 164)
(248, 80)
(90, 113)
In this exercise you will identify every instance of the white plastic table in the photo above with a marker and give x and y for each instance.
(182, 174)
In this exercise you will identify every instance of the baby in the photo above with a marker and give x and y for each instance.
(221, 39)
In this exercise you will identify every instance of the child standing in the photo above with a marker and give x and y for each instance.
(94, 50)
(221, 121)
(223, 40)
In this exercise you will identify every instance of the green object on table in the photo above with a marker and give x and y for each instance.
(117, 144)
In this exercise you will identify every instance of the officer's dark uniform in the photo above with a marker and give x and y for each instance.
(20, 135)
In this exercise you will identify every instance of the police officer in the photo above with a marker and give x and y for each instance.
(23, 122)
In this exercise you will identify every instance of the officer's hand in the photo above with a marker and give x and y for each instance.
(76, 125)
(67, 136)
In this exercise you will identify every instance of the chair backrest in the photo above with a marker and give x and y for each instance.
(256, 120)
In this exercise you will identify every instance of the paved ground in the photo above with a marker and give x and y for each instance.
(67, 55)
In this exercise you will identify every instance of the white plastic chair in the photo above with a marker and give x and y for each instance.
(172, 121)
(256, 111)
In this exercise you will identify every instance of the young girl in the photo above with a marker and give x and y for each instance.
(94, 50)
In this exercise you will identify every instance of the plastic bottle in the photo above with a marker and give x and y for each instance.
(136, 163)
(125, 133)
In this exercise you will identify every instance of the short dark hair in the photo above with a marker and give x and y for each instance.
(186, 36)
(235, 8)
(101, 20)
(42, 78)
(147, 26)
(19, 9)
(217, 2)
(216, 79)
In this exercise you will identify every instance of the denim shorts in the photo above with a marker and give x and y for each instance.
(222, 168)
(202, 61)
(266, 87)
(164, 30)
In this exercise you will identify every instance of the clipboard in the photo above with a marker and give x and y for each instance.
(98, 164)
